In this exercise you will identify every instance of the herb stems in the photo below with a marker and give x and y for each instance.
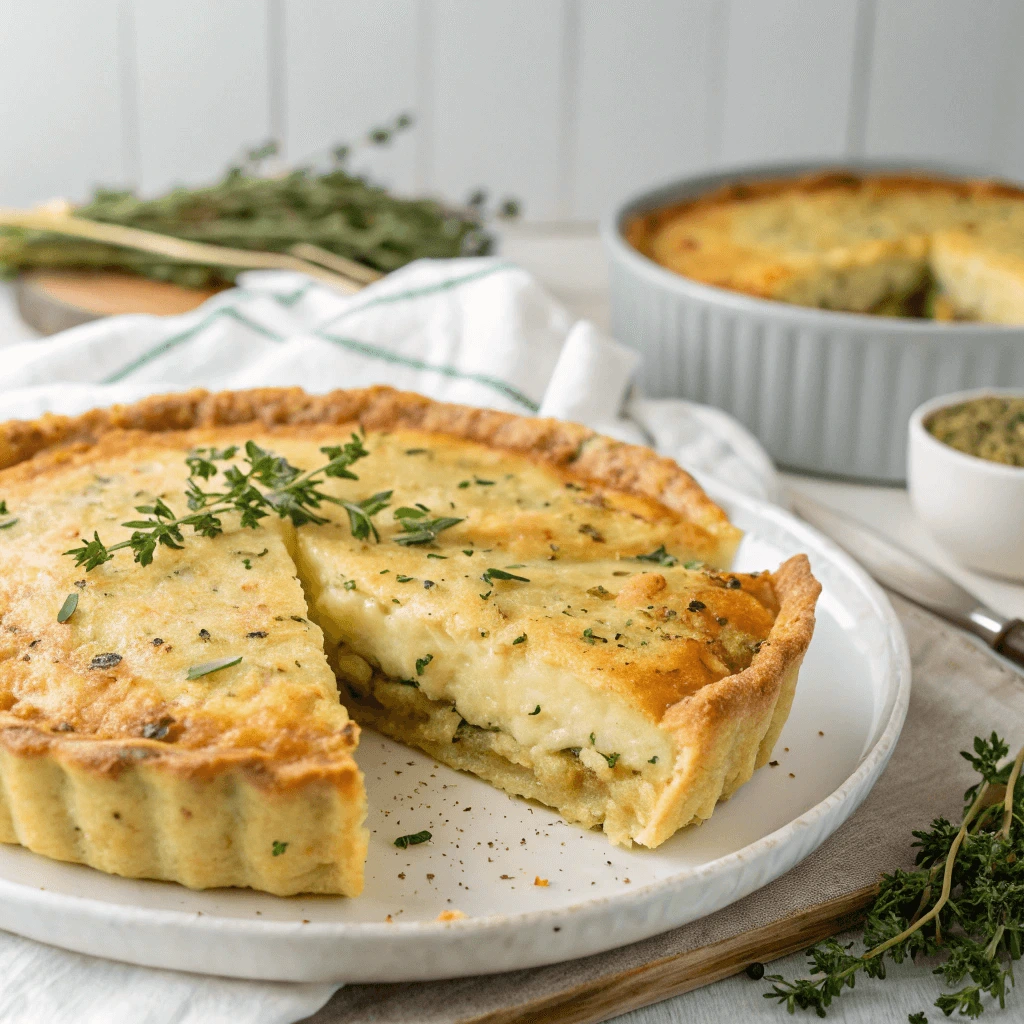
(269, 485)
(973, 923)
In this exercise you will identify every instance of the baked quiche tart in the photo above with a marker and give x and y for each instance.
(895, 245)
(202, 594)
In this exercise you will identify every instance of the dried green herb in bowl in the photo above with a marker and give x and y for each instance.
(991, 427)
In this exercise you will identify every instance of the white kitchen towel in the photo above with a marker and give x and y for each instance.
(477, 331)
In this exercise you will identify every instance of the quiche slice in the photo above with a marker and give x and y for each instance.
(537, 604)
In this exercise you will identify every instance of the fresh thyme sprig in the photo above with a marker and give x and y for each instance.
(417, 528)
(963, 903)
(267, 485)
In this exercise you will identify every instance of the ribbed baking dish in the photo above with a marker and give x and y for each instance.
(825, 392)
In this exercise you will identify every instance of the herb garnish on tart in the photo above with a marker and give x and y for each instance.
(626, 695)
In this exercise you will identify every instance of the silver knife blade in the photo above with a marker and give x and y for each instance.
(899, 570)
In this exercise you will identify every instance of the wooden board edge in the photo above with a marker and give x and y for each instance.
(607, 997)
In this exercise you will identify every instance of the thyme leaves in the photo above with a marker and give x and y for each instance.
(963, 903)
(418, 529)
(263, 484)
(404, 842)
(490, 575)
(67, 609)
(209, 667)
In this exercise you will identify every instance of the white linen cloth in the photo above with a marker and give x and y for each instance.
(477, 331)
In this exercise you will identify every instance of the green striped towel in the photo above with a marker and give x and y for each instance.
(478, 331)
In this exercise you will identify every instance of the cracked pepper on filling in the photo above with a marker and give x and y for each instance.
(542, 641)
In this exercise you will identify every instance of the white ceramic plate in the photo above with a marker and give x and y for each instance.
(488, 848)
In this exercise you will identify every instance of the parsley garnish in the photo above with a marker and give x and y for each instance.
(404, 842)
(404, 579)
(490, 575)
(660, 556)
(653, 760)
(536, 710)
(417, 528)
(268, 485)
(521, 639)
(612, 759)
(67, 609)
(196, 671)
(422, 663)
(277, 848)
(349, 584)
(964, 903)
(592, 638)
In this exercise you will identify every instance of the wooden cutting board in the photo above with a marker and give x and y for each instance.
(53, 300)
(599, 999)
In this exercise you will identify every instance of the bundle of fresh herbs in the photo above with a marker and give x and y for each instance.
(337, 211)
(962, 908)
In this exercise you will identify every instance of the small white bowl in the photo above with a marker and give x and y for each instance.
(972, 506)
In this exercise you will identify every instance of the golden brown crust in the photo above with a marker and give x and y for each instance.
(727, 729)
(720, 730)
(641, 228)
(575, 449)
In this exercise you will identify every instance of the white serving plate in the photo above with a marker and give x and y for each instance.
(488, 848)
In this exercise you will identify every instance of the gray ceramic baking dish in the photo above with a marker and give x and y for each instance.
(826, 392)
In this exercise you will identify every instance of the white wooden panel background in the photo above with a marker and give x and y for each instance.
(566, 104)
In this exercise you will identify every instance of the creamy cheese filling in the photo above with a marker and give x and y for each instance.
(489, 684)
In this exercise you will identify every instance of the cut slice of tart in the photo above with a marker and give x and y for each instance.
(568, 641)
(521, 598)
(182, 721)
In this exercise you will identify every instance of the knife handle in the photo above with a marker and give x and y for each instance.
(1011, 643)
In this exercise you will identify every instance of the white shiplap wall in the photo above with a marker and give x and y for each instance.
(567, 104)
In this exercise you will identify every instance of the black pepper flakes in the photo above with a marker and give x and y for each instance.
(157, 730)
(109, 660)
(204, 634)
(696, 606)
(256, 634)
(157, 641)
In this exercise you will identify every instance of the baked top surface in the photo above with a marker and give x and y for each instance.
(766, 238)
(118, 668)
(237, 594)
(526, 576)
